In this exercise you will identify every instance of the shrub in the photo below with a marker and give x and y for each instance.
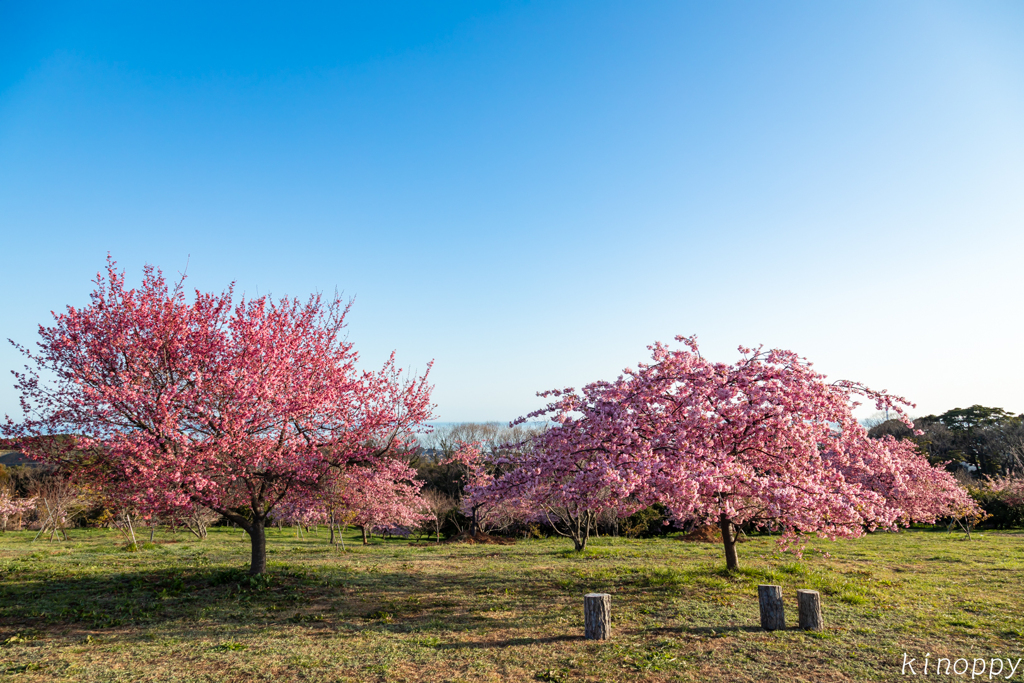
(645, 523)
(1002, 499)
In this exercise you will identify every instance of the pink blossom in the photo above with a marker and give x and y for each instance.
(175, 404)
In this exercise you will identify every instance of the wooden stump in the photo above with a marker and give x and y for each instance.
(809, 604)
(597, 616)
(773, 617)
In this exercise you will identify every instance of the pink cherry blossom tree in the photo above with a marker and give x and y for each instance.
(13, 507)
(1010, 489)
(765, 442)
(230, 406)
(384, 498)
(564, 477)
(486, 507)
(385, 495)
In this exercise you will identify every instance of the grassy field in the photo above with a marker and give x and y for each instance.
(181, 610)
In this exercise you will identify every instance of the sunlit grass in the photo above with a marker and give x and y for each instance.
(185, 610)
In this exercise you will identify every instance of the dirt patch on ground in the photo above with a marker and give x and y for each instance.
(483, 539)
(708, 534)
(703, 534)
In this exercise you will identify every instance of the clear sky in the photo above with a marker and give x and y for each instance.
(530, 193)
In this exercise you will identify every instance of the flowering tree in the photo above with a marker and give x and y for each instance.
(914, 490)
(1001, 498)
(763, 442)
(12, 507)
(565, 477)
(229, 406)
(384, 496)
(295, 511)
(1010, 488)
(482, 502)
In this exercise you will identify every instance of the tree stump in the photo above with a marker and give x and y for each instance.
(597, 616)
(809, 604)
(769, 598)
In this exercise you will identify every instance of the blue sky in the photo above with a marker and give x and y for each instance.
(531, 193)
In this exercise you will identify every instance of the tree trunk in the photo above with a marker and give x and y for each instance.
(769, 598)
(364, 534)
(128, 518)
(729, 540)
(582, 534)
(258, 536)
(597, 616)
(474, 528)
(809, 605)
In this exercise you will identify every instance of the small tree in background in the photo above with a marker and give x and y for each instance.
(563, 477)
(197, 520)
(229, 406)
(1002, 499)
(486, 508)
(437, 507)
(384, 497)
(12, 507)
(58, 503)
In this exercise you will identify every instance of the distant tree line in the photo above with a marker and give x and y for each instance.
(985, 441)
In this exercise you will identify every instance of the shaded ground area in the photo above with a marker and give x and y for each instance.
(87, 610)
(478, 537)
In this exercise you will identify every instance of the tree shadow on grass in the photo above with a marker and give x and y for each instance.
(124, 598)
(509, 642)
(708, 630)
(208, 597)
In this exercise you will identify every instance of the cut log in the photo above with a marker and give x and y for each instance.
(597, 616)
(769, 598)
(809, 605)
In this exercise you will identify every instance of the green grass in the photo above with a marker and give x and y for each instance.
(183, 610)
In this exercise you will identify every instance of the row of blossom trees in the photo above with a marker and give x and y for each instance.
(765, 442)
(257, 408)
